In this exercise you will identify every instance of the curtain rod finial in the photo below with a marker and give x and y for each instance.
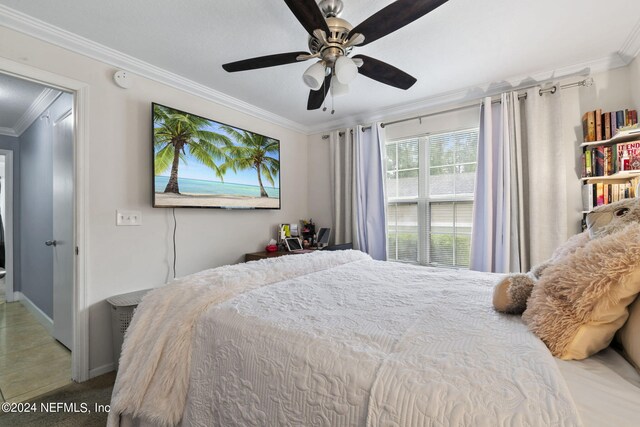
(588, 82)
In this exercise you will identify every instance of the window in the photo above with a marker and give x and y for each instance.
(430, 183)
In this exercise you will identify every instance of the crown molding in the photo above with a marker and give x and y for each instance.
(35, 110)
(34, 27)
(474, 93)
(631, 46)
(8, 132)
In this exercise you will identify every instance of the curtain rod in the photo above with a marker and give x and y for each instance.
(342, 133)
(586, 82)
(552, 89)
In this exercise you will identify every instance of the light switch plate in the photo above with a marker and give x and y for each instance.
(128, 217)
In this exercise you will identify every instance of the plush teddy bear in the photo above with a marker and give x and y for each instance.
(511, 293)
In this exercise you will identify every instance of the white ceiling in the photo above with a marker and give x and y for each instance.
(16, 98)
(461, 49)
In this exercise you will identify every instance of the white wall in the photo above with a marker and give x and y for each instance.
(124, 259)
(319, 175)
(634, 80)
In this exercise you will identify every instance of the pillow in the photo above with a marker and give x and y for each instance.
(629, 335)
(578, 304)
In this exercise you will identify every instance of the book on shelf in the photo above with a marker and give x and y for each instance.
(589, 126)
(588, 161)
(599, 194)
(587, 197)
(599, 126)
(608, 160)
(606, 118)
(599, 161)
(626, 152)
(620, 119)
(586, 164)
(598, 119)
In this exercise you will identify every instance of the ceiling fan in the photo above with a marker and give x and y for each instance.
(331, 40)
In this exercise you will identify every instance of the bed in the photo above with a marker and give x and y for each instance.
(338, 339)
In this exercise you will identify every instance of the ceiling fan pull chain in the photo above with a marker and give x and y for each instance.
(324, 100)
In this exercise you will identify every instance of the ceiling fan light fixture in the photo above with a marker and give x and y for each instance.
(338, 88)
(314, 76)
(346, 70)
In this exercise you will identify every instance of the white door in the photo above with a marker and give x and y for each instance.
(63, 245)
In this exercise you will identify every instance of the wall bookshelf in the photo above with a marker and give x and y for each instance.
(619, 138)
(618, 177)
(610, 170)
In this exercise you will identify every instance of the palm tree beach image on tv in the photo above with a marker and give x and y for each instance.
(201, 163)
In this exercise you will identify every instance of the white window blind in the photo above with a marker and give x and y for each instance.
(430, 183)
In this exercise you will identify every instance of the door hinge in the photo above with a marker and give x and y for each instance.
(77, 250)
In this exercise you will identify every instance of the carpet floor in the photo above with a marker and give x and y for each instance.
(70, 406)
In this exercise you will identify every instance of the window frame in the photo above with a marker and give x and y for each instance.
(424, 200)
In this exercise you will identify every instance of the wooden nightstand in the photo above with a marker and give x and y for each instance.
(262, 255)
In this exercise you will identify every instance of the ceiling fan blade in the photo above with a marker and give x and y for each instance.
(309, 15)
(316, 97)
(393, 17)
(263, 61)
(384, 73)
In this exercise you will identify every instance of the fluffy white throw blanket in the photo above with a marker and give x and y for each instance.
(153, 375)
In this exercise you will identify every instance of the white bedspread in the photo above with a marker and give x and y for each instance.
(376, 344)
(153, 376)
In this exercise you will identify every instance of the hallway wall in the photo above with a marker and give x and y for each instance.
(36, 207)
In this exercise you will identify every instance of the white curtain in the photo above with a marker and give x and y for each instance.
(357, 181)
(496, 243)
(371, 204)
(342, 185)
(546, 201)
(520, 208)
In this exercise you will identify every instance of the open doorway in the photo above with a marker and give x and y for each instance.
(80, 92)
(36, 315)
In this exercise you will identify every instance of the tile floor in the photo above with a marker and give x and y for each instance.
(31, 361)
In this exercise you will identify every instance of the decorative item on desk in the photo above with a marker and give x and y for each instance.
(323, 237)
(308, 230)
(284, 231)
(272, 246)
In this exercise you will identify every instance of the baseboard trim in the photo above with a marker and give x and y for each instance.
(96, 372)
(40, 315)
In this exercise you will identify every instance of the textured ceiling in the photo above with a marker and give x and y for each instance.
(463, 45)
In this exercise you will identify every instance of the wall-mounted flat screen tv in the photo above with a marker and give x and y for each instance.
(201, 163)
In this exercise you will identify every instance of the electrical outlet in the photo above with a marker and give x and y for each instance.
(128, 217)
